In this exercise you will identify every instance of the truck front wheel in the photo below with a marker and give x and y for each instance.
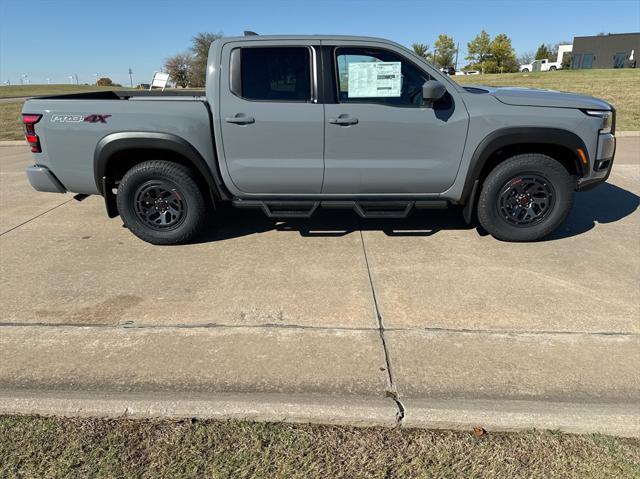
(161, 203)
(525, 198)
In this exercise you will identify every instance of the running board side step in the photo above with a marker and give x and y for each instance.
(365, 209)
(374, 209)
(281, 209)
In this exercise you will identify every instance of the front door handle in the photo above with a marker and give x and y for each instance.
(240, 119)
(344, 120)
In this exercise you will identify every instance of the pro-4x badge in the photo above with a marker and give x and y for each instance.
(96, 118)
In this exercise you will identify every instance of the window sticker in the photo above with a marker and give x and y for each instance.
(374, 79)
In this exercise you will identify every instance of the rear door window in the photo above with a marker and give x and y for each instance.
(276, 74)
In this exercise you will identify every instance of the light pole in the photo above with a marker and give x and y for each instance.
(131, 76)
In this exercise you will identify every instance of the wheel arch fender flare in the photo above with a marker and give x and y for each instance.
(118, 142)
(514, 136)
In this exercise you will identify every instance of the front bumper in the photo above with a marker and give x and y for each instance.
(600, 169)
(42, 179)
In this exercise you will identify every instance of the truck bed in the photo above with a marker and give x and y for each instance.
(72, 127)
(124, 95)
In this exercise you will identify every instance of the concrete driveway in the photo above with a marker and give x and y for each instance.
(423, 322)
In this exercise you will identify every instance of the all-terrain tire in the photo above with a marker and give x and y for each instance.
(517, 189)
(160, 202)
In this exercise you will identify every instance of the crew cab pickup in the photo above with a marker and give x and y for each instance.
(290, 124)
(543, 65)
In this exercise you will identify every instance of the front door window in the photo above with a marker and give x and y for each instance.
(368, 75)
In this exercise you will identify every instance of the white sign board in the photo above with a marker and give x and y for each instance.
(159, 80)
(374, 79)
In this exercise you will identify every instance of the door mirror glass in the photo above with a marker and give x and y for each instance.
(432, 91)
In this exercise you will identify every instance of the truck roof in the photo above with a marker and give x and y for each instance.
(248, 38)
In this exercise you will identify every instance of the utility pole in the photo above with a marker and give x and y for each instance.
(131, 76)
(76, 75)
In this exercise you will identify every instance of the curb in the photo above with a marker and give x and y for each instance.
(316, 409)
(503, 415)
(627, 133)
(616, 419)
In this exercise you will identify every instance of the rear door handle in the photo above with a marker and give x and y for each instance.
(343, 120)
(240, 119)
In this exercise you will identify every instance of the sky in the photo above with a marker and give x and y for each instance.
(49, 40)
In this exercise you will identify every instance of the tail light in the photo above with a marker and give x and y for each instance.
(29, 120)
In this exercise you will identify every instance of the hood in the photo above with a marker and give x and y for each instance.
(549, 98)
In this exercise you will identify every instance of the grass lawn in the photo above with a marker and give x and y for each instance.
(35, 90)
(33, 446)
(619, 87)
(10, 126)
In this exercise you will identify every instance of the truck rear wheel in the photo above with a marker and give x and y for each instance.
(525, 198)
(161, 203)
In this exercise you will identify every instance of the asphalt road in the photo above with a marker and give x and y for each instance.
(332, 319)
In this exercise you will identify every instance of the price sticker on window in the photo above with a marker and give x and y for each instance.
(374, 79)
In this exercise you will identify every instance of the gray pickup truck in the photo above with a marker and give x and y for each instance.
(289, 124)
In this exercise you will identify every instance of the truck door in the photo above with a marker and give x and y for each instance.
(270, 121)
(379, 136)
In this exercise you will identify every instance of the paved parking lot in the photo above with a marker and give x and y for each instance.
(332, 319)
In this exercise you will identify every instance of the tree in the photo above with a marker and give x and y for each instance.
(445, 51)
(105, 81)
(479, 50)
(526, 58)
(180, 68)
(422, 50)
(200, 50)
(503, 55)
(542, 52)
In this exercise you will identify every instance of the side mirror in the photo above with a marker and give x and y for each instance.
(432, 91)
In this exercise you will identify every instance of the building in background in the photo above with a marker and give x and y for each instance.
(615, 50)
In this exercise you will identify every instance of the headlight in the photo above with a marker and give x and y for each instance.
(607, 119)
